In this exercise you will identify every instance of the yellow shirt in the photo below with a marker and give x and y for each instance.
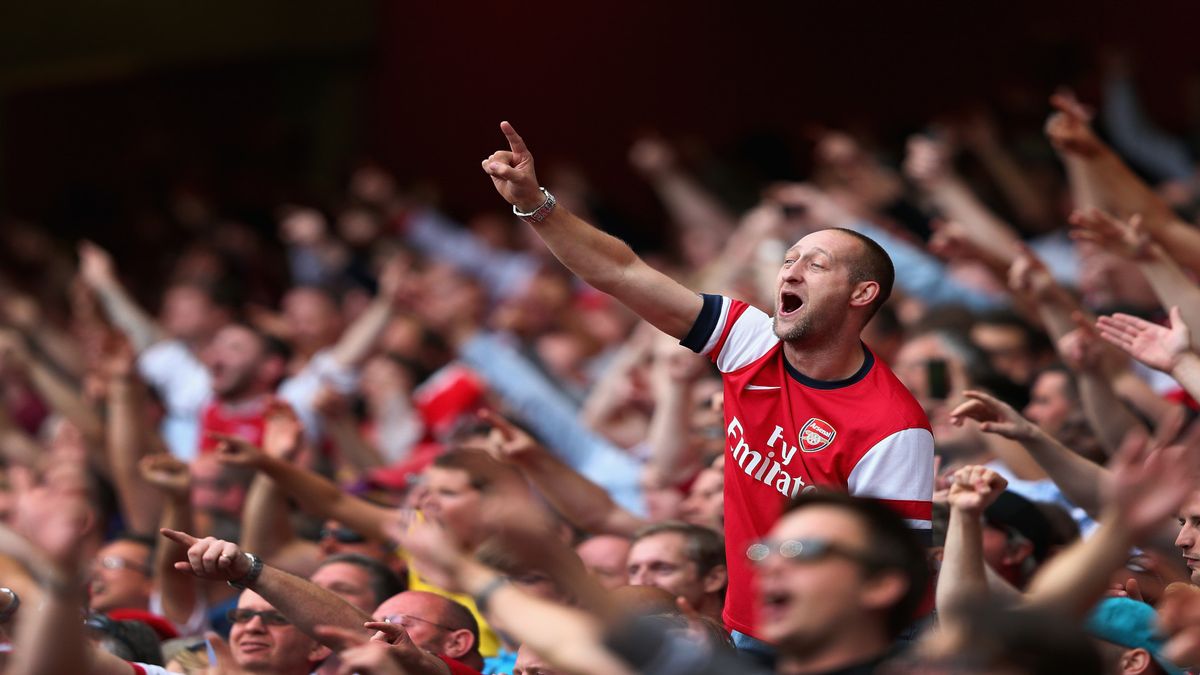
(489, 642)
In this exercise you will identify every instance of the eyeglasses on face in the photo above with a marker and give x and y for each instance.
(110, 562)
(405, 621)
(269, 617)
(805, 550)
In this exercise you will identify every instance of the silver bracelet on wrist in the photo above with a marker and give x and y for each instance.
(256, 568)
(540, 213)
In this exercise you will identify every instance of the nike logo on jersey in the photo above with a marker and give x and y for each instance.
(756, 387)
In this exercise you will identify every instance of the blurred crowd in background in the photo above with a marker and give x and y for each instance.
(387, 406)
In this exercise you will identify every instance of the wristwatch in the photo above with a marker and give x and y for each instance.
(256, 568)
(540, 213)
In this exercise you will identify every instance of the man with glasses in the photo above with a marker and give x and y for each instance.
(436, 624)
(263, 641)
(840, 578)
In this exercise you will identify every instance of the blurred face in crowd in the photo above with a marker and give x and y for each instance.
(237, 361)
(452, 501)
(530, 663)
(428, 621)
(312, 318)
(348, 581)
(1005, 554)
(604, 556)
(1007, 348)
(1188, 540)
(121, 577)
(661, 560)
(813, 286)
(808, 604)
(705, 504)
(1050, 402)
(261, 646)
(188, 313)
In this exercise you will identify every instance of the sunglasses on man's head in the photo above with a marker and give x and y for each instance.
(269, 617)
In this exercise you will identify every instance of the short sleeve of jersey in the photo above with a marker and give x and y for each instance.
(730, 332)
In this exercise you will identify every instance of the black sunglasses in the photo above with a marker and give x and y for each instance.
(269, 617)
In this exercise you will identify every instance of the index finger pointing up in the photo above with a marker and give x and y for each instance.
(514, 141)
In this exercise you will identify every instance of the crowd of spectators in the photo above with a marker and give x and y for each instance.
(435, 450)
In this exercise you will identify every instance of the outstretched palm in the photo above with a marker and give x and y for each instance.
(994, 416)
(1158, 347)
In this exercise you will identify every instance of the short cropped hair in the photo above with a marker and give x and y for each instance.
(894, 548)
(873, 265)
(383, 581)
(703, 546)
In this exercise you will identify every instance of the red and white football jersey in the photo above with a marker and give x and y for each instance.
(785, 432)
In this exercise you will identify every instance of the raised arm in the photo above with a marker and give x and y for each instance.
(1144, 489)
(97, 271)
(314, 493)
(1078, 478)
(1100, 178)
(126, 442)
(600, 259)
(579, 500)
(963, 575)
(304, 603)
(1166, 349)
(179, 593)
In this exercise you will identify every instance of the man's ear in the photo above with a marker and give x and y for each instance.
(716, 579)
(458, 643)
(865, 293)
(319, 653)
(1135, 661)
(883, 590)
(1015, 553)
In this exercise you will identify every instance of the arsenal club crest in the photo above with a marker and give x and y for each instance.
(816, 434)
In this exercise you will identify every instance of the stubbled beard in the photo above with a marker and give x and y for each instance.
(797, 332)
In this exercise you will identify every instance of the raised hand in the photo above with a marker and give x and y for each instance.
(506, 442)
(1145, 486)
(96, 266)
(166, 473)
(652, 156)
(234, 451)
(387, 652)
(974, 488)
(512, 172)
(994, 416)
(1156, 346)
(210, 558)
(1083, 351)
(432, 552)
(1128, 239)
(1030, 278)
(283, 433)
(927, 162)
(1069, 127)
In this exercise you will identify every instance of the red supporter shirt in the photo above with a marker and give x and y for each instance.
(244, 421)
(786, 432)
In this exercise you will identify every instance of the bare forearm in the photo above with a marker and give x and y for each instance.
(963, 575)
(669, 431)
(608, 264)
(307, 605)
(130, 318)
(266, 528)
(354, 449)
(567, 637)
(1074, 580)
(179, 592)
(690, 205)
(1174, 289)
(323, 498)
(578, 499)
(140, 503)
(958, 203)
(1015, 185)
(356, 343)
(66, 399)
(1187, 373)
(1106, 413)
(1078, 478)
